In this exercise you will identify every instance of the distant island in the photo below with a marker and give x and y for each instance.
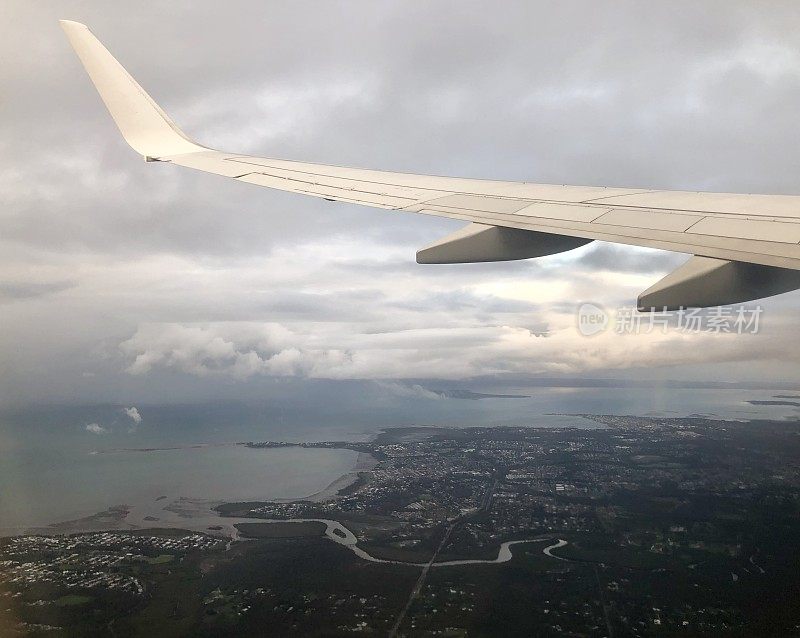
(469, 394)
(774, 402)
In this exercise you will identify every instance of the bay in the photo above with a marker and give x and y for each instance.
(52, 468)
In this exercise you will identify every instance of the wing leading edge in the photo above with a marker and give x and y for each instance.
(508, 220)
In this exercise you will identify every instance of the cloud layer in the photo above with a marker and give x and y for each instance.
(116, 275)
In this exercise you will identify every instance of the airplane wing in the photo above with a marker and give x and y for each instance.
(743, 247)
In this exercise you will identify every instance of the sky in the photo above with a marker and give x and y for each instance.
(133, 282)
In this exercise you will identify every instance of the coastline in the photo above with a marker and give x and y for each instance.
(181, 512)
(336, 488)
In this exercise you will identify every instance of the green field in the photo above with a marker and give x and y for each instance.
(71, 600)
(160, 559)
(282, 529)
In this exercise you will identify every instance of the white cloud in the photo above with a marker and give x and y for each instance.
(449, 349)
(96, 428)
(133, 415)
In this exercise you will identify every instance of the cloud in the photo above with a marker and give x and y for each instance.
(133, 415)
(630, 260)
(163, 281)
(96, 428)
(31, 290)
(235, 349)
(440, 349)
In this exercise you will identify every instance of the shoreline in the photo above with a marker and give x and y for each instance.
(181, 512)
(365, 462)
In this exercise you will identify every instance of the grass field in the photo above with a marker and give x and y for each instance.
(72, 600)
(282, 529)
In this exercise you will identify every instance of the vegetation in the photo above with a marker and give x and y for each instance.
(281, 529)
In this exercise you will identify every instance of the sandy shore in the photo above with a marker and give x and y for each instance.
(112, 518)
(364, 463)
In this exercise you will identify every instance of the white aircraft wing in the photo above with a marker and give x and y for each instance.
(744, 246)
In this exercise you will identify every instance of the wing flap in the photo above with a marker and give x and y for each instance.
(650, 219)
(748, 229)
(351, 194)
(724, 203)
(479, 203)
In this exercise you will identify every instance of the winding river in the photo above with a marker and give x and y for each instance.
(198, 515)
(338, 533)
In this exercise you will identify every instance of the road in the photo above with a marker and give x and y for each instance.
(484, 506)
(420, 582)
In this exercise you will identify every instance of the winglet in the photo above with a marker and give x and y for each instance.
(143, 124)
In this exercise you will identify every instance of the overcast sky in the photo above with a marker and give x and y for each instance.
(121, 280)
